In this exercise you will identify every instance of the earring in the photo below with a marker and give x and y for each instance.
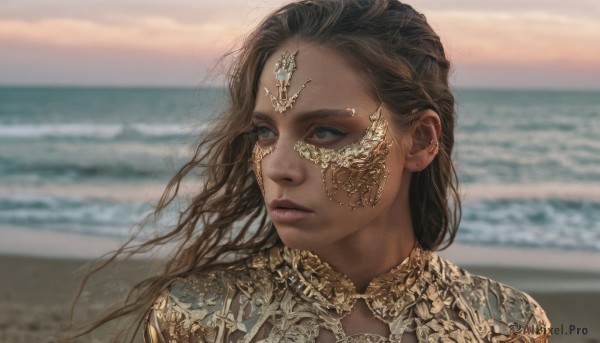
(433, 148)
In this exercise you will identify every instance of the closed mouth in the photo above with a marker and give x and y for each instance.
(284, 204)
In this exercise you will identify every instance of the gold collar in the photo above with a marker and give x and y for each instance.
(386, 295)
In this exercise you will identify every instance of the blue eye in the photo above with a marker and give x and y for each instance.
(318, 134)
(327, 133)
(263, 132)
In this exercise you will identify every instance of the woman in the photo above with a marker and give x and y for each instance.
(328, 184)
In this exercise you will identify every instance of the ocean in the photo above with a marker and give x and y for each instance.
(80, 160)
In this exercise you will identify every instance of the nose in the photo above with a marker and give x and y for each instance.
(284, 166)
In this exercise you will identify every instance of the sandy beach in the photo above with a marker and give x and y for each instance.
(35, 292)
(36, 296)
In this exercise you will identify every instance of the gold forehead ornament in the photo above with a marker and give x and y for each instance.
(284, 68)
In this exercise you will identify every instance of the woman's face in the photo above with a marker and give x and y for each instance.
(329, 162)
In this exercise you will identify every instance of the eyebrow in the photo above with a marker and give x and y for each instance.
(311, 115)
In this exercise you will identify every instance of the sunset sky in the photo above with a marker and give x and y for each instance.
(509, 43)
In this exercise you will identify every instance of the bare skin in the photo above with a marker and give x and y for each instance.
(360, 243)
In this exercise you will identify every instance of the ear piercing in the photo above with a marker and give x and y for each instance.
(433, 148)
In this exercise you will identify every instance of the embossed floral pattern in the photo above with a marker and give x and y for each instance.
(288, 295)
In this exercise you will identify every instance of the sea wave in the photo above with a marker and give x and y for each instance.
(545, 223)
(74, 171)
(96, 131)
(97, 217)
(548, 223)
(577, 191)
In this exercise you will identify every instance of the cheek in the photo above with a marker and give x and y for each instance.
(354, 175)
(258, 153)
(358, 184)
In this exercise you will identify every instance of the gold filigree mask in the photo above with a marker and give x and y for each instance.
(284, 68)
(353, 175)
(258, 153)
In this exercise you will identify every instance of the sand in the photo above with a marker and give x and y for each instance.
(35, 294)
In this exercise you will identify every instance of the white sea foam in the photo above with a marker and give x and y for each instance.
(98, 131)
(117, 192)
(59, 130)
(550, 190)
(152, 191)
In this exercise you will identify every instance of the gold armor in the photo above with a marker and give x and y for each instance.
(288, 295)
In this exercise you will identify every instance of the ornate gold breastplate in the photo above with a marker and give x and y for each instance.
(322, 285)
(289, 295)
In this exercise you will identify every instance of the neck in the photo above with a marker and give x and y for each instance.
(373, 251)
(361, 263)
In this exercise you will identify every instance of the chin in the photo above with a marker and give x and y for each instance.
(293, 238)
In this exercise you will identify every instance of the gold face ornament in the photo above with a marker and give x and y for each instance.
(284, 68)
(353, 175)
(258, 153)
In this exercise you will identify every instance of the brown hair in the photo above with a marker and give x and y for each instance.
(390, 42)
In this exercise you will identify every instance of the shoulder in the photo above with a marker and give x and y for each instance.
(496, 309)
(196, 305)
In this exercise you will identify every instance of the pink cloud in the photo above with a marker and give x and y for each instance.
(149, 33)
(490, 45)
(528, 38)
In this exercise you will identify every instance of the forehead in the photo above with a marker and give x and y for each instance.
(334, 83)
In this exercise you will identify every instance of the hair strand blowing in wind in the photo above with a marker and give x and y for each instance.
(387, 42)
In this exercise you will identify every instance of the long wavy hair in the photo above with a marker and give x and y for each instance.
(386, 40)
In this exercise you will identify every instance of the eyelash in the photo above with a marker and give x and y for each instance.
(255, 131)
(339, 133)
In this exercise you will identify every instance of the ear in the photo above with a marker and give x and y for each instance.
(425, 134)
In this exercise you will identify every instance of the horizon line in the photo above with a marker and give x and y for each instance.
(224, 86)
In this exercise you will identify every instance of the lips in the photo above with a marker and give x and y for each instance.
(287, 205)
(286, 211)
